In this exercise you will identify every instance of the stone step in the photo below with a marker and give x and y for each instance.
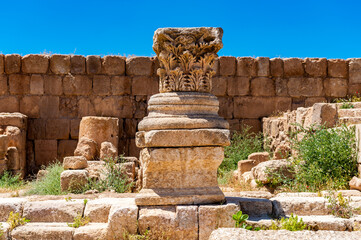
(59, 231)
(317, 222)
(242, 234)
(350, 120)
(304, 206)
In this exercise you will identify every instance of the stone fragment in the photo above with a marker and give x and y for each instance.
(259, 156)
(355, 183)
(8, 205)
(35, 63)
(355, 70)
(14, 162)
(282, 152)
(96, 170)
(324, 114)
(300, 206)
(183, 138)
(335, 87)
(316, 67)
(305, 87)
(93, 64)
(276, 67)
(91, 231)
(108, 150)
(60, 64)
(337, 68)
(114, 65)
(12, 63)
(169, 222)
(212, 217)
(41, 174)
(246, 67)
(53, 210)
(263, 171)
(139, 66)
(100, 129)
(293, 67)
(75, 162)
(263, 66)
(77, 64)
(71, 180)
(87, 148)
(122, 220)
(227, 66)
(43, 231)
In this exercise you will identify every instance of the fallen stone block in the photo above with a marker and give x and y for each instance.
(75, 162)
(71, 180)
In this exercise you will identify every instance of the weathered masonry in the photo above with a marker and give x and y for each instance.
(56, 91)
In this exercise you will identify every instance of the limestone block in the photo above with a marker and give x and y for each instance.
(30, 105)
(326, 223)
(300, 206)
(101, 85)
(219, 85)
(293, 67)
(254, 207)
(172, 222)
(60, 64)
(263, 66)
(49, 107)
(77, 85)
(128, 169)
(43, 231)
(19, 84)
(225, 111)
(75, 162)
(335, 87)
(120, 85)
(13, 157)
(316, 67)
(3, 84)
(53, 210)
(262, 86)
(100, 129)
(53, 85)
(91, 231)
(116, 106)
(73, 179)
(12, 63)
(114, 65)
(87, 148)
(227, 66)
(305, 87)
(93, 64)
(281, 86)
(136, 66)
(276, 67)
(183, 138)
(8, 205)
(144, 85)
(41, 174)
(35, 63)
(108, 150)
(212, 217)
(262, 172)
(238, 86)
(246, 67)
(355, 70)
(122, 220)
(77, 64)
(9, 104)
(355, 183)
(96, 170)
(325, 114)
(337, 68)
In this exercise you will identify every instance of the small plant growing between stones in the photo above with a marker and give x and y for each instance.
(241, 219)
(69, 199)
(339, 206)
(15, 220)
(79, 221)
(144, 236)
(291, 224)
(347, 105)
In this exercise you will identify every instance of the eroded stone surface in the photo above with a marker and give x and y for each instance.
(304, 206)
(75, 162)
(8, 205)
(263, 171)
(73, 179)
(87, 148)
(43, 231)
(122, 220)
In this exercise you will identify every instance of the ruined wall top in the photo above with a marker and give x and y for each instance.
(186, 57)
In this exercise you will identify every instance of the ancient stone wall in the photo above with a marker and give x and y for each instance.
(56, 91)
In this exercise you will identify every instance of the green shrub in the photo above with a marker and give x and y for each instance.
(10, 181)
(326, 158)
(115, 179)
(291, 224)
(243, 143)
(50, 183)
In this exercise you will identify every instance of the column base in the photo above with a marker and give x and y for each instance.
(178, 196)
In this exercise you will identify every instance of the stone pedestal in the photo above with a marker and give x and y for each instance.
(182, 142)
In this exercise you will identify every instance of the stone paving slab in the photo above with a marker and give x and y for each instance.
(242, 234)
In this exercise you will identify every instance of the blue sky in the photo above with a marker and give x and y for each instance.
(271, 28)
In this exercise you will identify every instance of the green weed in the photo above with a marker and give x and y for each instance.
(15, 220)
(347, 105)
(241, 219)
(50, 183)
(339, 206)
(79, 221)
(10, 181)
(1, 230)
(291, 224)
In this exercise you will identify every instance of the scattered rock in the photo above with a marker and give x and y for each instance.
(41, 174)
(263, 171)
(282, 152)
(108, 150)
(259, 156)
(355, 183)
(73, 179)
(86, 148)
(75, 162)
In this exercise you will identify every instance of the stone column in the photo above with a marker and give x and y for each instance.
(182, 138)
